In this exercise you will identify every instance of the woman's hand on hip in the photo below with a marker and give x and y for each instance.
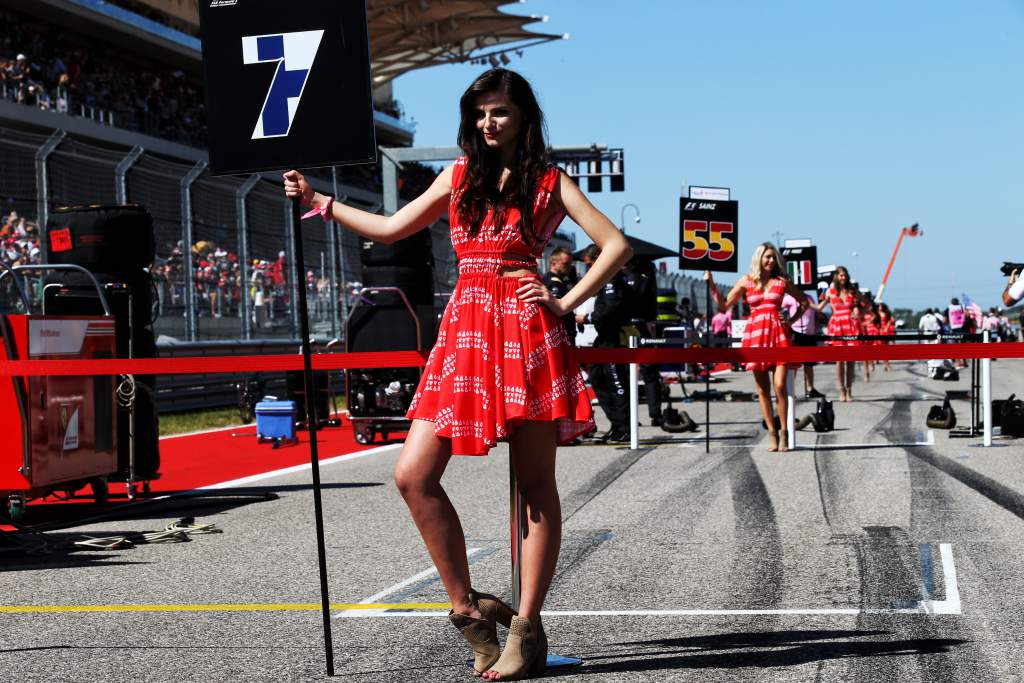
(533, 291)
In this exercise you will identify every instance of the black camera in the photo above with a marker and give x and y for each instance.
(1009, 267)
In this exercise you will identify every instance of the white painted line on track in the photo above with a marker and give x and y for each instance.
(951, 605)
(853, 611)
(378, 597)
(346, 457)
(212, 430)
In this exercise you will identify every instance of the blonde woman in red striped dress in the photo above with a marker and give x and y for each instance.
(768, 327)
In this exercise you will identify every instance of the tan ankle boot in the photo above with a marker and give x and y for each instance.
(481, 634)
(525, 653)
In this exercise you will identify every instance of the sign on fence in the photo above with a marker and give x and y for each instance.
(708, 235)
(287, 84)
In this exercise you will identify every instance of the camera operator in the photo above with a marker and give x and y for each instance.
(1014, 291)
(609, 381)
(640, 276)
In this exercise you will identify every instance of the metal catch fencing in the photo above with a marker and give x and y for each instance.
(224, 268)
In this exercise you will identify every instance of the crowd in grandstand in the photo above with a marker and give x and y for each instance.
(42, 65)
(217, 277)
(19, 240)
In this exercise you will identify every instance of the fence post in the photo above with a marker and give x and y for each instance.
(121, 174)
(191, 328)
(243, 252)
(790, 409)
(634, 397)
(986, 393)
(43, 189)
(389, 178)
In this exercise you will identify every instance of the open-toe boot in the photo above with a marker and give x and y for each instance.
(525, 654)
(783, 439)
(773, 440)
(482, 634)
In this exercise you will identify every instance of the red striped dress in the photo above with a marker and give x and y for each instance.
(841, 324)
(764, 329)
(888, 328)
(499, 362)
(871, 328)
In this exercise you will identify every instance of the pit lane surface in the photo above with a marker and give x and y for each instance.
(736, 565)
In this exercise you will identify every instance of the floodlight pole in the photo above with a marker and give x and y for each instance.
(309, 385)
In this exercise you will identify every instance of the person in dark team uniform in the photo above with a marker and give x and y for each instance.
(609, 381)
(560, 278)
(640, 276)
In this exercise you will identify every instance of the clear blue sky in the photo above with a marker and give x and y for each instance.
(840, 122)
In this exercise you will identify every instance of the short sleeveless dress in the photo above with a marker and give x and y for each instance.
(841, 324)
(871, 328)
(499, 362)
(888, 329)
(764, 329)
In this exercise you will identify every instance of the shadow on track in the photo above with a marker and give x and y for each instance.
(754, 650)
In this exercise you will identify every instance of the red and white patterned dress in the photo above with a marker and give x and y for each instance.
(887, 328)
(764, 327)
(499, 362)
(841, 324)
(871, 328)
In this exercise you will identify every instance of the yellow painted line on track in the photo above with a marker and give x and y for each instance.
(222, 607)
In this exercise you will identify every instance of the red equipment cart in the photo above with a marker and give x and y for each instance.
(59, 433)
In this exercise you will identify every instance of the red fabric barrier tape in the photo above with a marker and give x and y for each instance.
(411, 359)
(802, 354)
(210, 364)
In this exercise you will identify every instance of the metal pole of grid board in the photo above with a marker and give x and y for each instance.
(309, 385)
(243, 252)
(43, 189)
(292, 219)
(707, 369)
(191, 322)
(334, 242)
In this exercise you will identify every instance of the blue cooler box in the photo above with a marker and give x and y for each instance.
(275, 420)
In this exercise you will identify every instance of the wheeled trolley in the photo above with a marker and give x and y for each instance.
(59, 432)
(378, 398)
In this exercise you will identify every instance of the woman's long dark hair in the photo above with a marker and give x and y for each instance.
(844, 289)
(483, 167)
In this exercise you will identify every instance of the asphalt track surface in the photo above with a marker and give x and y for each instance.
(850, 560)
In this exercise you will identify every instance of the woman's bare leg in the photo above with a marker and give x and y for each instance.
(851, 372)
(764, 397)
(841, 379)
(781, 394)
(532, 448)
(418, 474)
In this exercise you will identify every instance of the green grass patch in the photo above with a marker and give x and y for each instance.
(182, 423)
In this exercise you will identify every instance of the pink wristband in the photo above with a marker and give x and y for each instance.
(324, 211)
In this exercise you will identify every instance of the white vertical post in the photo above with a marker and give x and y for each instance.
(986, 393)
(790, 408)
(634, 399)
